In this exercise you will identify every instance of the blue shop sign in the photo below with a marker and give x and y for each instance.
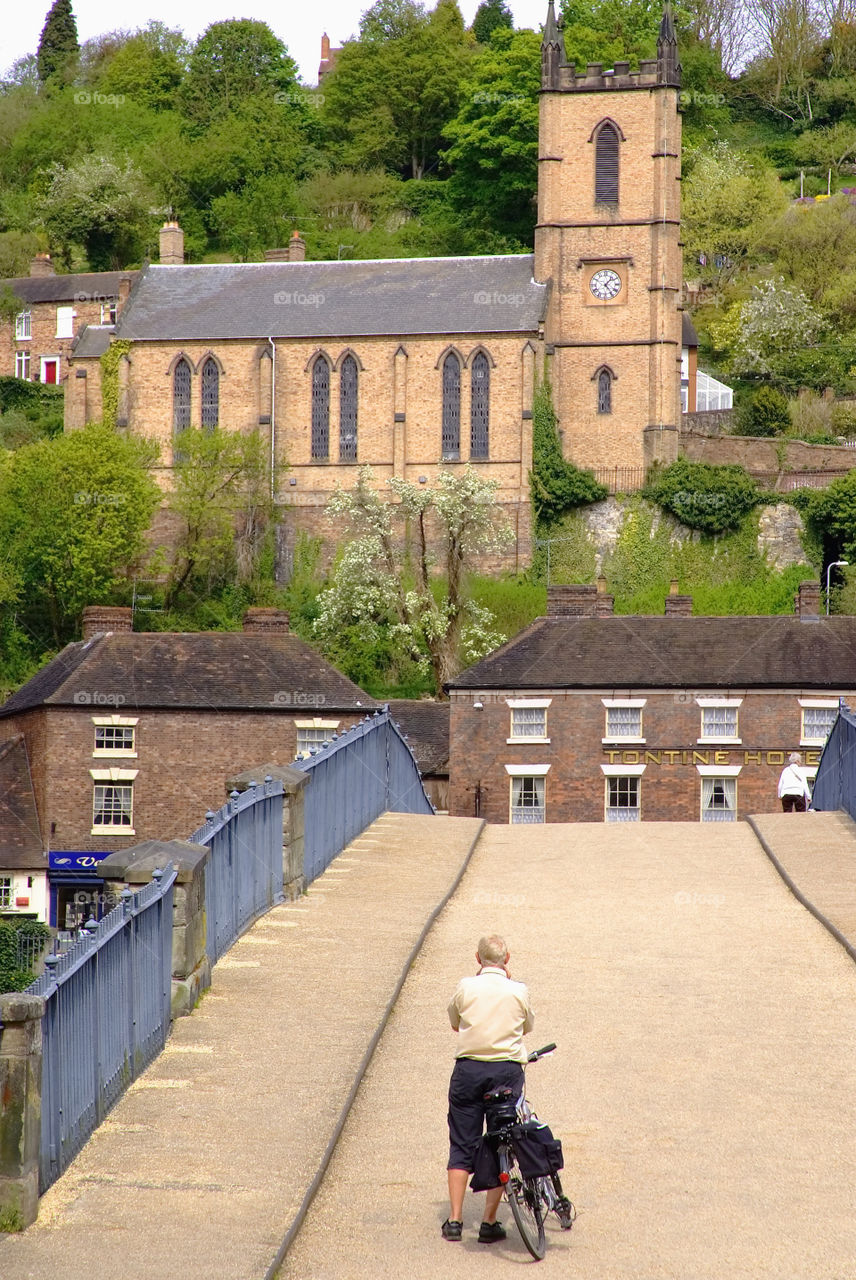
(80, 861)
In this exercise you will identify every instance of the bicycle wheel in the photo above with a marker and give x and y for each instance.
(527, 1209)
(558, 1202)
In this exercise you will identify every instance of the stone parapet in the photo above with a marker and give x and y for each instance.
(20, 1114)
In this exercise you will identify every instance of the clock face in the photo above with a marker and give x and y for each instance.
(605, 284)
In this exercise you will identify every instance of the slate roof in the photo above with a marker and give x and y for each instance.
(425, 724)
(335, 299)
(97, 285)
(92, 340)
(200, 671)
(672, 653)
(689, 337)
(21, 846)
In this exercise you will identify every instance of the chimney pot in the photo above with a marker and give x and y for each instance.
(296, 248)
(264, 621)
(673, 587)
(100, 618)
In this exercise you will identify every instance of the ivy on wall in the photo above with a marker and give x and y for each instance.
(110, 380)
(556, 485)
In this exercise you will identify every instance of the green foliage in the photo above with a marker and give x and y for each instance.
(58, 47)
(12, 976)
(232, 62)
(556, 485)
(103, 205)
(765, 414)
(831, 516)
(110, 379)
(709, 498)
(488, 16)
(73, 514)
(28, 411)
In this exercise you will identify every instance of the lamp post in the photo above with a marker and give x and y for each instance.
(835, 565)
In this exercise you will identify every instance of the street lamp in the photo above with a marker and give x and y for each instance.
(835, 565)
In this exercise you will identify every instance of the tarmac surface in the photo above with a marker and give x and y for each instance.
(704, 1085)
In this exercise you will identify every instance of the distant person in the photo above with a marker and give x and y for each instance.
(491, 1013)
(793, 788)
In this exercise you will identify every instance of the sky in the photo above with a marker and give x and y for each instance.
(301, 32)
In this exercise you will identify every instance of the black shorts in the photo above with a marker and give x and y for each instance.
(471, 1080)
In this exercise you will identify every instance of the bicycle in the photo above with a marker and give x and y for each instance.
(531, 1196)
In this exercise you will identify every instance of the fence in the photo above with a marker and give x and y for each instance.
(107, 1011)
(787, 481)
(354, 778)
(621, 479)
(835, 784)
(243, 876)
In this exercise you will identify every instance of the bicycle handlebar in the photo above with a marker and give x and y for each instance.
(541, 1053)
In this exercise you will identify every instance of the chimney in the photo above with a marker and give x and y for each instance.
(678, 606)
(171, 245)
(100, 618)
(604, 604)
(261, 621)
(41, 265)
(124, 291)
(325, 47)
(807, 600)
(578, 601)
(296, 247)
(276, 255)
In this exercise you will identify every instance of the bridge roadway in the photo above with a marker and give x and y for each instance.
(704, 1085)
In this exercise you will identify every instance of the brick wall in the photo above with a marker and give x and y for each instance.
(183, 759)
(757, 453)
(769, 728)
(43, 340)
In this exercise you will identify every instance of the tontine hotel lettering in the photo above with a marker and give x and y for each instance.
(811, 758)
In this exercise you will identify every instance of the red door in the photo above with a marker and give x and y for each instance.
(49, 372)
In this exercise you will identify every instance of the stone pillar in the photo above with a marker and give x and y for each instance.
(21, 1112)
(293, 782)
(132, 868)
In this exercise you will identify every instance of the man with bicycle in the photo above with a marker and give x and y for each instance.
(491, 1013)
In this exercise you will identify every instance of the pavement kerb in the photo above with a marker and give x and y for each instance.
(800, 896)
(318, 1177)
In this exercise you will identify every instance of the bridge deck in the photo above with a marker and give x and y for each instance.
(704, 1085)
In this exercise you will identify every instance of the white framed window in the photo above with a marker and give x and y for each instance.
(313, 733)
(528, 719)
(5, 891)
(720, 719)
(113, 801)
(818, 715)
(115, 736)
(528, 792)
(22, 365)
(623, 719)
(718, 792)
(23, 325)
(65, 322)
(108, 311)
(623, 792)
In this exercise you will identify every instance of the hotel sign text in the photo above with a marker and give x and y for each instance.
(712, 757)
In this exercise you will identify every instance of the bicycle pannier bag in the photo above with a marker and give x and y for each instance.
(485, 1167)
(538, 1153)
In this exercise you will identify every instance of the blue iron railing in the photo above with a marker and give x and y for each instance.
(243, 876)
(107, 1005)
(357, 776)
(835, 784)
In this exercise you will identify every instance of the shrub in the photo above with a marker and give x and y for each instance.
(702, 496)
(12, 976)
(556, 485)
(766, 414)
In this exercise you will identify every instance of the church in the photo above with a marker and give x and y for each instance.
(410, 364)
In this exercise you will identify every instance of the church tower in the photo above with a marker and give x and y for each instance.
(607, 238)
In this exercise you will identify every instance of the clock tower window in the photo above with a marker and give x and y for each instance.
(606, 165)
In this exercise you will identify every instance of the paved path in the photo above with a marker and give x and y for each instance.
(704, 1084)
(199, 1170)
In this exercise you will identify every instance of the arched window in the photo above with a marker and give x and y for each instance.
(604, 391)
(480, 406)
(606, 165)
(348, 410)
(210, 394)
(320, 409)
(181, 396)
(451, 407)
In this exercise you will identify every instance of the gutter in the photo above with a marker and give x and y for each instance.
(272, 419)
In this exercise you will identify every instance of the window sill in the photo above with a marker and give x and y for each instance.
(112, 831)
(813, 742)
(523, 741)
(719, 742)
(624, 741)
(125, 755)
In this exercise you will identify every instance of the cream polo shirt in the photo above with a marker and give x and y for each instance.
(491, 1014)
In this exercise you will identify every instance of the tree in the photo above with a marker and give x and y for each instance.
(789, 31)
(728, 201)
(830, 148)
(231, 62)
(435, 624)
(222, 505)
(148, 68)
(831, 516)
(709, 498)
(392, 19)
(773, 324)
(58, 47)
(494, 137)
(102, 204)
(814, 248)
(489, 15)
(73, 514)
(767, 414)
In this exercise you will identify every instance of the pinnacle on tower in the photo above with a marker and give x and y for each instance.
(552, 49)
(668, 67)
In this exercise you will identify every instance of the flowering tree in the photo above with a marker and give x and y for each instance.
(763, 332)
(430, 621)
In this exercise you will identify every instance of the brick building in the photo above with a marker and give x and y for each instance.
(404, 363)
(131, 736)
(23, 864)
(589, 717)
